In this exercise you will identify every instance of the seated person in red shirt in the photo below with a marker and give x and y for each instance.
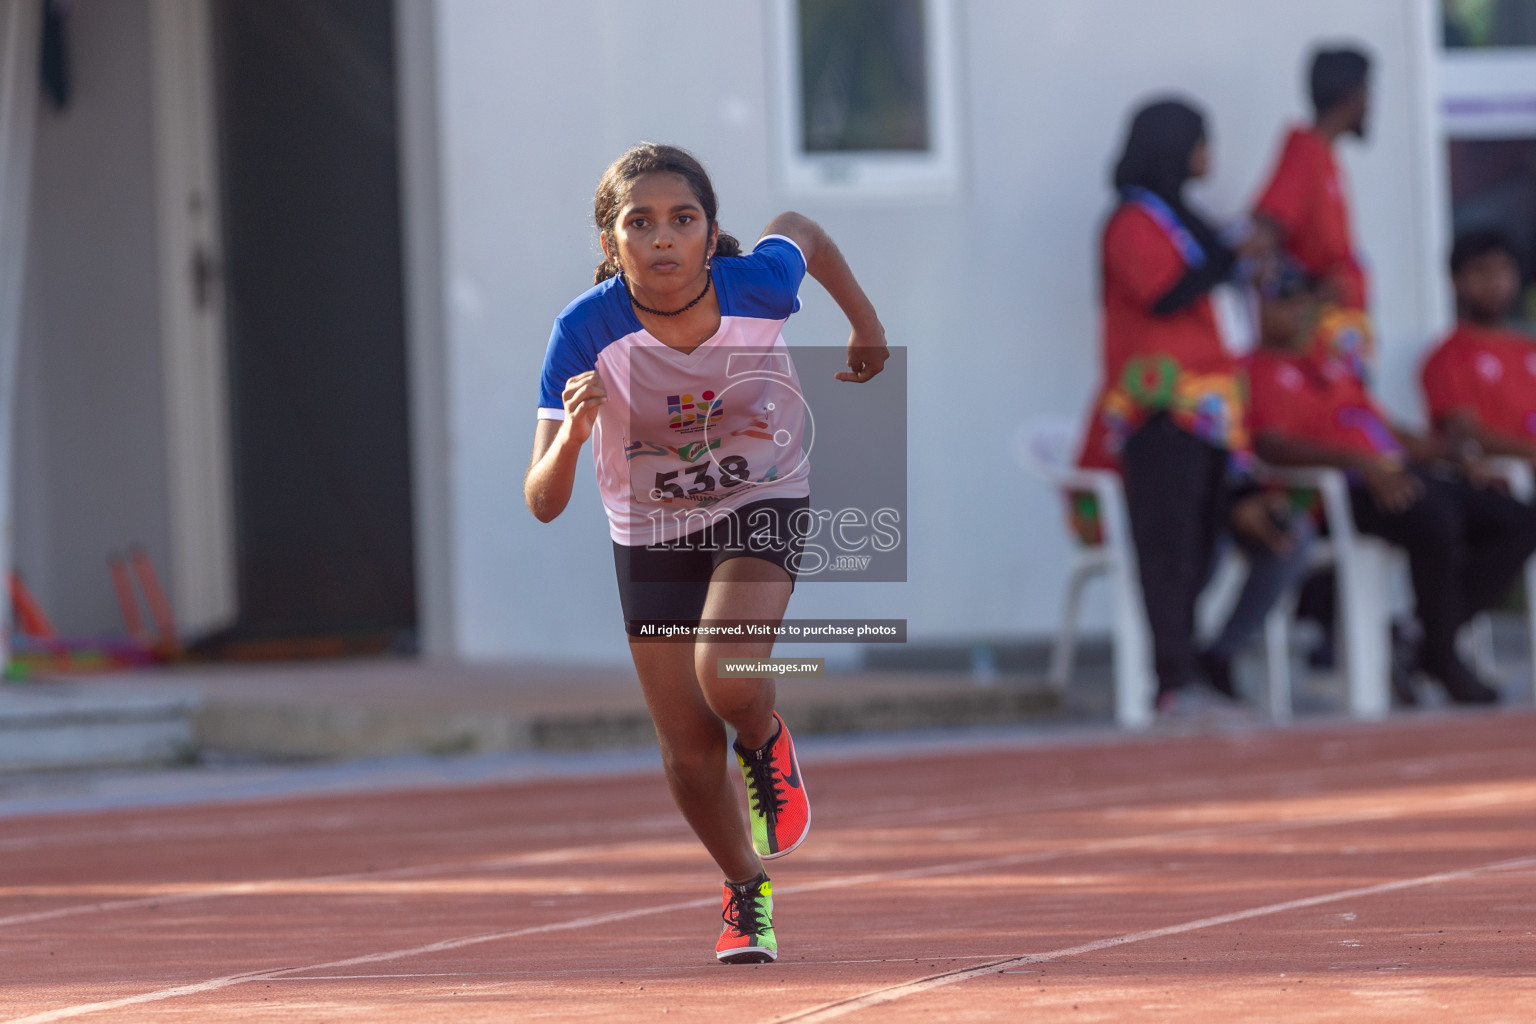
(1304, 203)
(1481, 380)
(1465, 543)
(1275, 541)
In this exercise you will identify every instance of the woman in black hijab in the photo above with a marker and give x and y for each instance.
(1171, 413)
(1166, 148)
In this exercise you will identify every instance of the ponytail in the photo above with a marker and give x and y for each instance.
(726, 245)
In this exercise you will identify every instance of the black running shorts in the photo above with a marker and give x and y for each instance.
(667, 583)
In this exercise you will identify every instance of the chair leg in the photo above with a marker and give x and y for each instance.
(1479, 637)
(1530, 617)
(1277, 660)
(1064, 649)
(1134, 687)
(1366, 620)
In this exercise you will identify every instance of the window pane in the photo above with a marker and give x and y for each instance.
(863, 75)
(1474, 23)
(1493, 185)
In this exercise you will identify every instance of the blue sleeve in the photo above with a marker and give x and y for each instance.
(567, 355)
(765, 283)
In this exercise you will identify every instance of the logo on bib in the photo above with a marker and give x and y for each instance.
(687, 413)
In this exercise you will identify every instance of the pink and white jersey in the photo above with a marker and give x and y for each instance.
(684, 435)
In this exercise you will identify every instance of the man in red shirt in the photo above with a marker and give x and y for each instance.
(1465, 543)
(1480, 381)
(1304, 203)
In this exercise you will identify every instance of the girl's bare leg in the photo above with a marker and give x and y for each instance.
(694, 753)
(751, 590)
(688, 701)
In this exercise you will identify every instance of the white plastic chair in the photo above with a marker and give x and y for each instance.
(1516, 473)
(1365, 567)
(1046, 446)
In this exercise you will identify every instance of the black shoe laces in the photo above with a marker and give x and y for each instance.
(742, 913)
(763, 787)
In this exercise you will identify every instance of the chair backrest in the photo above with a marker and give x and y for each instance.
(1046, 445)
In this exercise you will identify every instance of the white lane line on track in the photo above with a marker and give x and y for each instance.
(446, 945)
(256, 888)
(889, 994)
(626, 970)
(1471, 802)
(68, 835)
(1297, 782)
(1054, 802)
(292, 820)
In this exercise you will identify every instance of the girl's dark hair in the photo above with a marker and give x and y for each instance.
(637, 162)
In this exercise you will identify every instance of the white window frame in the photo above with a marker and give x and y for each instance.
(1489, 93)
(872, 173)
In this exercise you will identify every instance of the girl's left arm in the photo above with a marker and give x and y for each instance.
(867, 351)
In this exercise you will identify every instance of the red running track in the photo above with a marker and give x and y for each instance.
(1381, 873)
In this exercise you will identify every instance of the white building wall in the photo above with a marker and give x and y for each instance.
(994, 291)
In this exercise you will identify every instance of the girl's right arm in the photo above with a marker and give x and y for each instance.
(556, 445)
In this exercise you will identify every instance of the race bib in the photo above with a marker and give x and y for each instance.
(720, 436)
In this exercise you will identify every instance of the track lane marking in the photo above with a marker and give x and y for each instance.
(332, 821)
(566, 854)
(891, 993)
(1066, 801)
(255, 888)
(1196, 788)
(441, 946)
(1468, 802)
(664, 968)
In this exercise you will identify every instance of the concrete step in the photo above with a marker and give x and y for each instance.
(375, 707)
(370, 723)
(62, 725)
(389, 706)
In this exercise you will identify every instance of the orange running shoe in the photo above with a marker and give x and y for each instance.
(778, 810)
(747, 910)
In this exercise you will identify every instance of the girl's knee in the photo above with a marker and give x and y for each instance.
(738, 700)
(707, 660)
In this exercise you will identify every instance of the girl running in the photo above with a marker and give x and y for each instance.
(674, 364)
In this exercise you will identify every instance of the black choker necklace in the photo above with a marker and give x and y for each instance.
(676, 312)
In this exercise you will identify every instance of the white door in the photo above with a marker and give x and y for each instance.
(201, 562)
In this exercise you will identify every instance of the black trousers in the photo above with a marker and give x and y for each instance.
(1176, 492)
(1466, 546)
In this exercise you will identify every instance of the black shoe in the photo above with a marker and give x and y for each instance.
(1218, 672)
(1472, 691)
(1403, 693)
(1462, 685)
(1322, 657)
(1405, 662)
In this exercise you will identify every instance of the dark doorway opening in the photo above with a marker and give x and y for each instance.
(313, 278)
